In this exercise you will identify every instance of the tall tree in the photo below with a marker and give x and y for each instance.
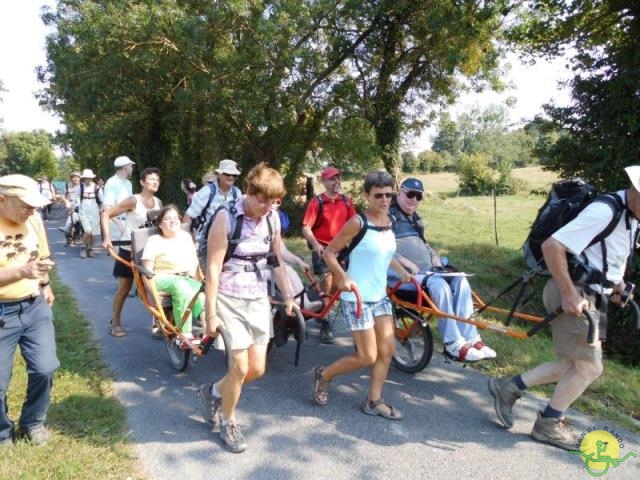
(601, 128)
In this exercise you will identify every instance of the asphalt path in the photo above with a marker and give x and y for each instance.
(450, 430)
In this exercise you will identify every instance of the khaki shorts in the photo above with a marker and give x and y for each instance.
(247, 320)
(569, 332)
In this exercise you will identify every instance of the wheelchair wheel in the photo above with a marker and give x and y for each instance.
(178, 357)
(414, 342)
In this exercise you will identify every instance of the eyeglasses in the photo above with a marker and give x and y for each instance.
(411, 194)
(378, 196)
(229, 175)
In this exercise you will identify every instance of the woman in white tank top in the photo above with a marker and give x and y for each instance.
(135, 208)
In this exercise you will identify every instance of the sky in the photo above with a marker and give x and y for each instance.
(22, 49)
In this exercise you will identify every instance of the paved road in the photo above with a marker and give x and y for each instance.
(450, 430)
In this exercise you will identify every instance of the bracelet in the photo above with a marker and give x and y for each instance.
(47, 283)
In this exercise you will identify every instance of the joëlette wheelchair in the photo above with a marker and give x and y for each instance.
(413, 309)
(311, 304)
(182, 352)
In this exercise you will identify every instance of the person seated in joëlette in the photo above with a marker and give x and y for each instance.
(171, 255)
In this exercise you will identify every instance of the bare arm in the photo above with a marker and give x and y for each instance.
(280, 274)
(349, 230)
(310, 237)
(555, 256)
(126, 205)
(291, 258)
(216, 248)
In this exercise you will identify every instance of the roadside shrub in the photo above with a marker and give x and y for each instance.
(475, 175)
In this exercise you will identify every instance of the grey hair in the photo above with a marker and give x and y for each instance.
(379, 178)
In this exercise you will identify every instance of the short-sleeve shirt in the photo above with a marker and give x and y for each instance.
(116, 190)
(335, 213)
(20, 244)
(200, 199)
(577, 234)
(171, 255)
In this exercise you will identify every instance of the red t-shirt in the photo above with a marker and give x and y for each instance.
(335, 213)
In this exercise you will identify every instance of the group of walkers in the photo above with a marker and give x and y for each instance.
(240, 241)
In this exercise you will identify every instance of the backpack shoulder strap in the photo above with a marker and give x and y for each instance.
(235, 192)
(235, 229)
(318, 220)
(616, 204)
(345, 252)
(212, 193)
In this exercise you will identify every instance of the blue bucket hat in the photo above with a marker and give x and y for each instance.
(412, 184)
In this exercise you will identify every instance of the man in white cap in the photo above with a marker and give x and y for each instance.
(89, 199)
(70, 202)
(210, 197)
(578, 362)
(26, 297)
(116, 189)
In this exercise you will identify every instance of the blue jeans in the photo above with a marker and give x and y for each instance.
(28, 323)
(451, 295)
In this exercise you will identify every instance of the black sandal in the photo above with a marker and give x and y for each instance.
(373, 408)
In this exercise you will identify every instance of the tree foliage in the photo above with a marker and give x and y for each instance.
(29, 153)
(182, 84)
(599, 133)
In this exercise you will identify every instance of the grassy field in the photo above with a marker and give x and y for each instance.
(87, 422)
(462, 228)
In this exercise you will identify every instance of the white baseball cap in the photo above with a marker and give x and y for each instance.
(633, 172)
(123, 162)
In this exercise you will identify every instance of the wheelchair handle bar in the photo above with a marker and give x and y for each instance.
(549, 318)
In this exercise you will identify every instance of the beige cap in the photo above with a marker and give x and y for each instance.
(23, 187)
(87, 173)
(123, 162)
(228, 166)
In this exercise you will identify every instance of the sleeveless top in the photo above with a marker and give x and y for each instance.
(137, 217)
(368, 264)
(255, 240)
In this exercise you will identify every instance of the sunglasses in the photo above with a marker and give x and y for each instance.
(230, 175)
(411, 195)
(378, 196)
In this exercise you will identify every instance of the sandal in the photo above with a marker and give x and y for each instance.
(117, 331)
(374, 408)
(321, 387)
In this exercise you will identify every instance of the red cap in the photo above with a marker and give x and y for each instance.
(330, 172)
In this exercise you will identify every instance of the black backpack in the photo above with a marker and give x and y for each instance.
(95, 191)
(198, 222)
(319, 218)
(565, 201)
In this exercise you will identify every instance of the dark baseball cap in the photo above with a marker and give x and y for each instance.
(412, 184)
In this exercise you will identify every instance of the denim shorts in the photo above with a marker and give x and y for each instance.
(370, 311)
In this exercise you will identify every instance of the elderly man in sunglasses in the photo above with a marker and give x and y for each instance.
(450, 294)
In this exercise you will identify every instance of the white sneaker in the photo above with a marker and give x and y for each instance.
(488, 352)
(462, 352)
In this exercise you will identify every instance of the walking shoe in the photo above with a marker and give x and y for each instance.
(90, 253)
(505, 394)
(326, 335)
(232, 437)
(486, 351)
(37, 435)
(210, 404)
(83, 253)
(321, 387)
(462, 352)
(554, 431)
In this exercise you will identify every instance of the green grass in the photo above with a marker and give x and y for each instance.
(462, 228)
(87, 422)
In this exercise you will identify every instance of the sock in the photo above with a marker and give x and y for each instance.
(213, 390)
(519, 382)
(552, 412)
